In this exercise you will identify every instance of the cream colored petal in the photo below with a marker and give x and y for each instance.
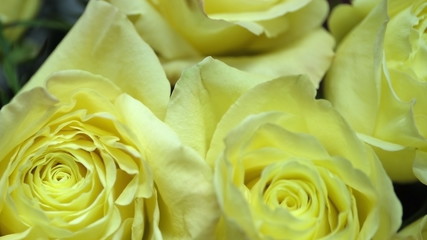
(397, 45)
(343, 19)
(302, 21)
(410, 89)
(188, 18)
(104, 42)
(20, 120)
(276, 128)
(288, 91)
(233, 204)
(187, 204)
(200, 98)
(303, 56)
(63, 84)
(353, 81)
(395, 120)
(247, 10)
(295, 96)
(155, 30)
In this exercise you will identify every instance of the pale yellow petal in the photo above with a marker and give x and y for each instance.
(155, 30)
(301, 57)
(395, 120)
(188, 18)
(247, 10)
(290, 26)
(64, 84)
(343, 19)
(113, 49)
(200, 98)
(255, 101)
(353, 81)
(20, 119)
(187, 204)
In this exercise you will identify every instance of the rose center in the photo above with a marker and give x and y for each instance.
(285, 193)
(56, 170)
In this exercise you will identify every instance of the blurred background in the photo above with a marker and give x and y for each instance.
(29, 31)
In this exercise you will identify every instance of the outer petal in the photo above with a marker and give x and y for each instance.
(112, 48)
(26, 119)
(292, 59)
(187, 204)
(289, 60)
(353, 81)
(262, 17)
(367, 85)
(155, 29)
(345, 17)
(202, 96)
(188, 18)
(244, 10)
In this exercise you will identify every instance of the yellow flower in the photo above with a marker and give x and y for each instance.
(17, 10)
(268, 37)
(378, 82)
(286, 166)
(84, 152)
(414, 231)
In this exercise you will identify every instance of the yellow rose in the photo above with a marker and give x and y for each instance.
(84, 152)
(17, 10)
(414, 231)
(268, 37)
(378, 83)
(286, 166)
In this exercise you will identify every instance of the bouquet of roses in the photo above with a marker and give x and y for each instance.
(215, 119)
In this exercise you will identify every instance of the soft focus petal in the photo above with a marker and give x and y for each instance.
(376, 80)
(352, 83)
(345, 17)
(182, 178)
(167, 42)
(244, 34)
(209, 31)
(26, 117)
(202, 96)
(292, 59)
(111, 48)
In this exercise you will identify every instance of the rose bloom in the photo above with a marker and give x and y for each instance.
(17, 10)
(84, 153)
(270, 37)
(378, 83)
(286, 166)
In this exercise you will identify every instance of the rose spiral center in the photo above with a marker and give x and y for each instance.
(287, 193)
